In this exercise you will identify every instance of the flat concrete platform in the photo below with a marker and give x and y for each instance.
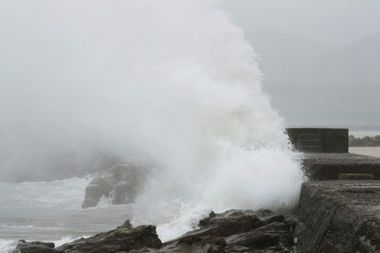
(339, 216)
(369, 151)
(329, 166)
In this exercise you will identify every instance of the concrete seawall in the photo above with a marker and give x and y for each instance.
(331, 166)
(339, 216)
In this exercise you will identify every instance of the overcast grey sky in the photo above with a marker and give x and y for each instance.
(337, 22)
(317, 49)
(320, 58)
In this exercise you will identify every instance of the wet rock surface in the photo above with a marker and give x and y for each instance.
(35, 247)
(339, 216)
(122, 239)
(237, 231)
(234, 231)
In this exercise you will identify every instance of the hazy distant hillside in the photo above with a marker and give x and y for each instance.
(354, 73)
(313, 83)
(282, 55)
(360, 62)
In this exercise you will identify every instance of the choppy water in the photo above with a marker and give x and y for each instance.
(50, 211)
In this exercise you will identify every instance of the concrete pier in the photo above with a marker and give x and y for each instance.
(333, 166)
(319, 140)
(339, 216)
(340, 212)
(326, 157)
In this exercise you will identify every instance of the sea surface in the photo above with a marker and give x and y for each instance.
(50, 211)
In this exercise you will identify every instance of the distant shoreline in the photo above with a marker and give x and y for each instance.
(364, 141)
(371, 128)
(368, 151)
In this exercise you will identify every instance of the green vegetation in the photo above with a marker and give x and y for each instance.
(365, 141)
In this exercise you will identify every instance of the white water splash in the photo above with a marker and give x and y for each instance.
(7, 246)
(174, 82)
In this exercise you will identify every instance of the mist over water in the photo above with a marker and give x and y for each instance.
(170, 83)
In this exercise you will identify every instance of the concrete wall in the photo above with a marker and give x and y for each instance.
(339, 217)
(319, 140)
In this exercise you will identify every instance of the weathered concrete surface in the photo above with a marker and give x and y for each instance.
(319, 140)
(328, 166)
(339, 216)
(369, 151)
(326, 155)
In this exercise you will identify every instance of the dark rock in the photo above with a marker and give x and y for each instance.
(282, 230)
(230, 222)
(254, 239)
(196, 245)
(144, 250)
(35, 247)
(97, 188)
(273, 234)
(124, 238)
(267, 216)
(236, 249)
(237, 231)
(120, 183)
(234, 231)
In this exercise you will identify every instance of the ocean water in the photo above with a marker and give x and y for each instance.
(50, 211)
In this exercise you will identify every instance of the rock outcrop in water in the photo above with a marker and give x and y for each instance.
(234, 231)
(35, 247)
(119, 184)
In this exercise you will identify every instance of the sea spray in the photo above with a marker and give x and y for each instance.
(172, 82)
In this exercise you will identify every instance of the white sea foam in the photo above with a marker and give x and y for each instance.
(7, 246)
(173, 82)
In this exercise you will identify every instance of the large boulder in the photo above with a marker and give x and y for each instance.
(120, 184)
(122, 239)
(35, 247)
(237, 231)
(97, 188)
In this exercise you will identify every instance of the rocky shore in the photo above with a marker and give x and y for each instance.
(332, 217)
(234, 231)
